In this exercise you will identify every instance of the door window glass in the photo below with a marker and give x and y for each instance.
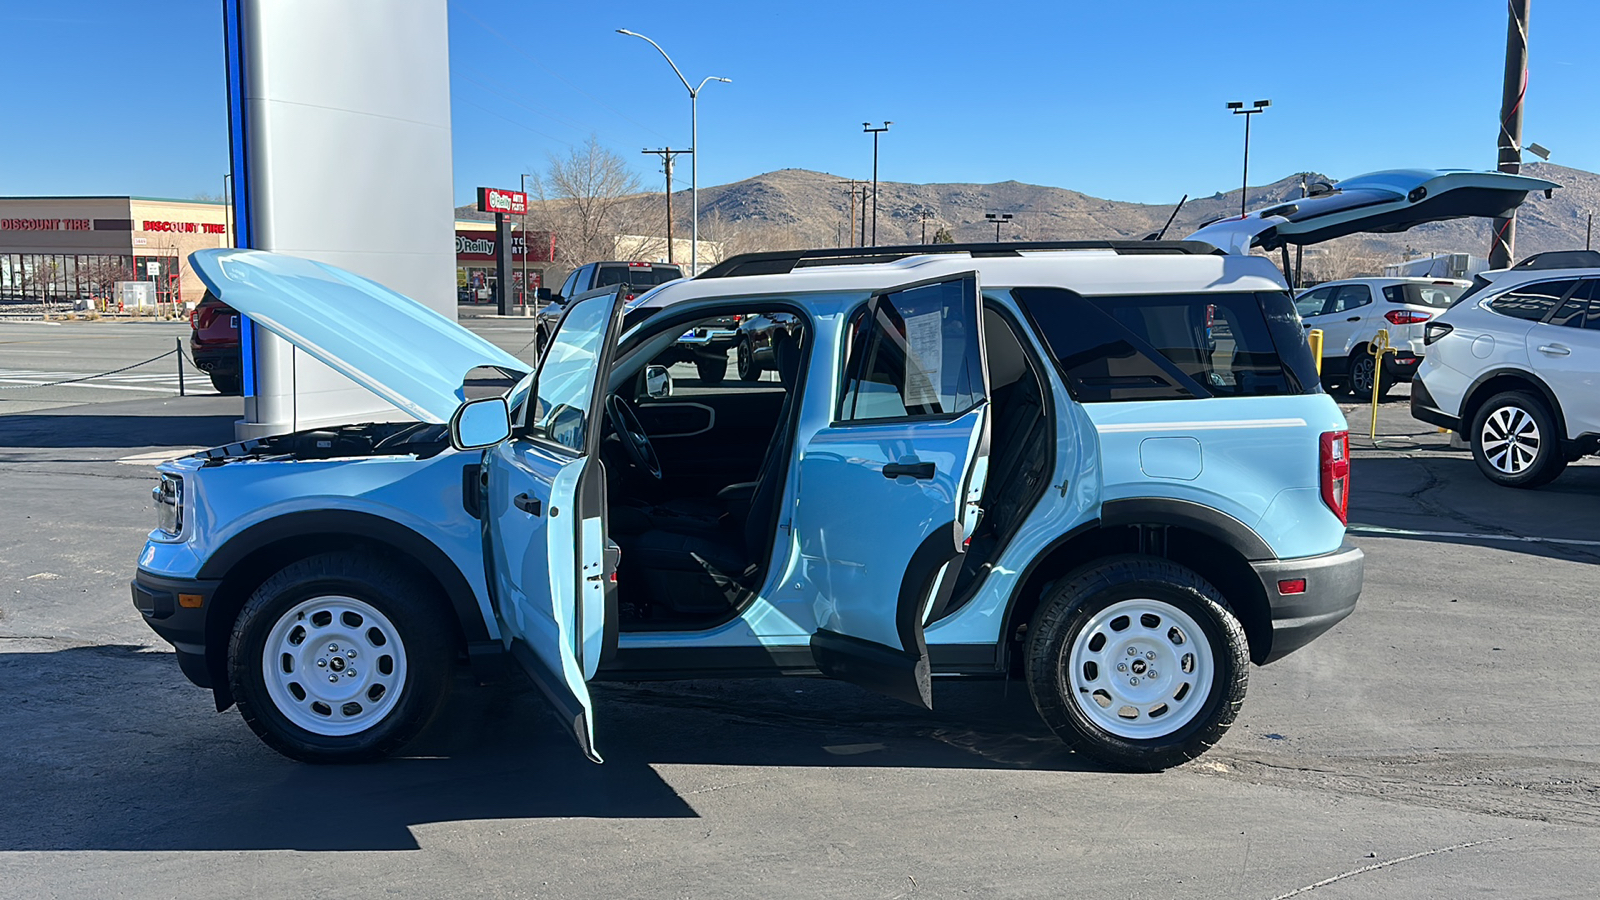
(1350, 296)
(568, 287)
(914, 353)
(564, 390)
(1311, 302)
(1532, 302)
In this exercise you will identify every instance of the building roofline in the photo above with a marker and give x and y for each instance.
(113, 197)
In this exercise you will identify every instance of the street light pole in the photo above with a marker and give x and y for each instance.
(998, 220)
(867, 127)
(694, 148)
(1239, 110)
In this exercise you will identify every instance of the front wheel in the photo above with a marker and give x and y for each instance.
(1514, 441)
(1137, 662)
(749, 369)
(339, 658)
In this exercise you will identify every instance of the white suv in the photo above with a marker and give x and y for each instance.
(1350, 314)
(1515, 368)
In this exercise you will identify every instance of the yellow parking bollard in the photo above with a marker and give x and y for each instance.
(1314, 338)
(1380, 346)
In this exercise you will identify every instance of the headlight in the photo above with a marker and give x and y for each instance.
(168, 497)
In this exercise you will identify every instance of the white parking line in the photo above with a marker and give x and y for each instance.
(1380, 531)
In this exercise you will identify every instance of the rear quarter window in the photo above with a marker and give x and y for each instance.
(1173, 346)
(1532, 302)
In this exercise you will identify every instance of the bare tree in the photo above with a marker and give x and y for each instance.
(588, 197)
(105, 271)
(40, 276)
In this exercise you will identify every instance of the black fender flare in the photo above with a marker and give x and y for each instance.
(1522, 375)
(1187, 514)
(361, 525)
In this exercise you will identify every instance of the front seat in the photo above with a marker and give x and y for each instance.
(693, 569)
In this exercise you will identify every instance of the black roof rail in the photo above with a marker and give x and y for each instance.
(782, 262)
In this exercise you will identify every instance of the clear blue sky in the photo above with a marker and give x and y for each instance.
(1117, 99)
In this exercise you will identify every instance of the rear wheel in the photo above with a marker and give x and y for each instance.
(712, 369)
(1514, 441)
(744, 358)
(1365, 373)
(339, 658)
(1137, 662)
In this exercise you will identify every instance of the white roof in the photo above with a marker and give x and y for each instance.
(1089, 272)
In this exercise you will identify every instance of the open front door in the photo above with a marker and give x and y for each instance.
(544, 519)
(889, 491)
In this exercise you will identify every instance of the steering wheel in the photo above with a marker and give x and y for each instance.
(634, 439)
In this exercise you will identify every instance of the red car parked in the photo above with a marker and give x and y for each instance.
(214, 343)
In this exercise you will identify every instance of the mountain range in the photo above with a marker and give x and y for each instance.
(797, 207)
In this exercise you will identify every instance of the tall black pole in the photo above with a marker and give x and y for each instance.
(1244, 183)
(875, 189)
(1512, 93)
(863, 215)
(502, 264)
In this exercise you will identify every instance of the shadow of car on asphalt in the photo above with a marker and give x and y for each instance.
(1448, 496)
(108, 749)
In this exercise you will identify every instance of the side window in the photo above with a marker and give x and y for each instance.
(565, 388)
(1582, 309)
(1351, 296)
(1532, 302)
(914, 353)
(1312, 302)
(568, 285)
(1394, 294)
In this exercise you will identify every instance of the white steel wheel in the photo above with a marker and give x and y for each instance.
(1510, 439)
(334, 665)
(341, 657)
(1136, 661)
(1140, 668)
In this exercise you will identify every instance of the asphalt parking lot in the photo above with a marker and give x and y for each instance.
(1435, 744)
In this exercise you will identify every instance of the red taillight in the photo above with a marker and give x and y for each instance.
(1292, 586)
(194, 318)
(1406, 316)
(1336, 473)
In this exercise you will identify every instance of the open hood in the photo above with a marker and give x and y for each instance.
(1382, 202)
(388, 343)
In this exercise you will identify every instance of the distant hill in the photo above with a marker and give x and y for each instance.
(812, 208)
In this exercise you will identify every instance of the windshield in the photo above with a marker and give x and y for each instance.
(637, 276)
(1437, 296)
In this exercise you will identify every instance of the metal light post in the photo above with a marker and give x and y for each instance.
(867, 127)
(694, 148)
(998, 220)
(1238, 109)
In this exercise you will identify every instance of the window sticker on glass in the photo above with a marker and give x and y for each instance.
(925, 341)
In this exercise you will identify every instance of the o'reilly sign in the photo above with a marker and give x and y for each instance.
(495, 200)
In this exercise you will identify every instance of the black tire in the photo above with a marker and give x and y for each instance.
(1533, 423)
(745, 362)
(540, 338)
(712, 369)
(1160, 593)
(1364, 372)
(421, 625)
(227, 385)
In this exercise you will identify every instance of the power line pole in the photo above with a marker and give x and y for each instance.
(1512, 93)
(667, 154)
(850, 186)
(926, 215)
(867, 127)
(863, 215)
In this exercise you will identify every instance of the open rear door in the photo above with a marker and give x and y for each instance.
(544, 515)
(1380, 202)
(889, 491)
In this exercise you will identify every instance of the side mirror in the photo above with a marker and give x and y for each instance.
(657, 382)
(544, 295)
(480, 423)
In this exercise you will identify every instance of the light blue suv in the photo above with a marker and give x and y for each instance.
(1106, 466)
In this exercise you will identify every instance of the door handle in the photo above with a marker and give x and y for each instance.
(1555, 350)
(921, 470)
(529, 505)
(1353, 319)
